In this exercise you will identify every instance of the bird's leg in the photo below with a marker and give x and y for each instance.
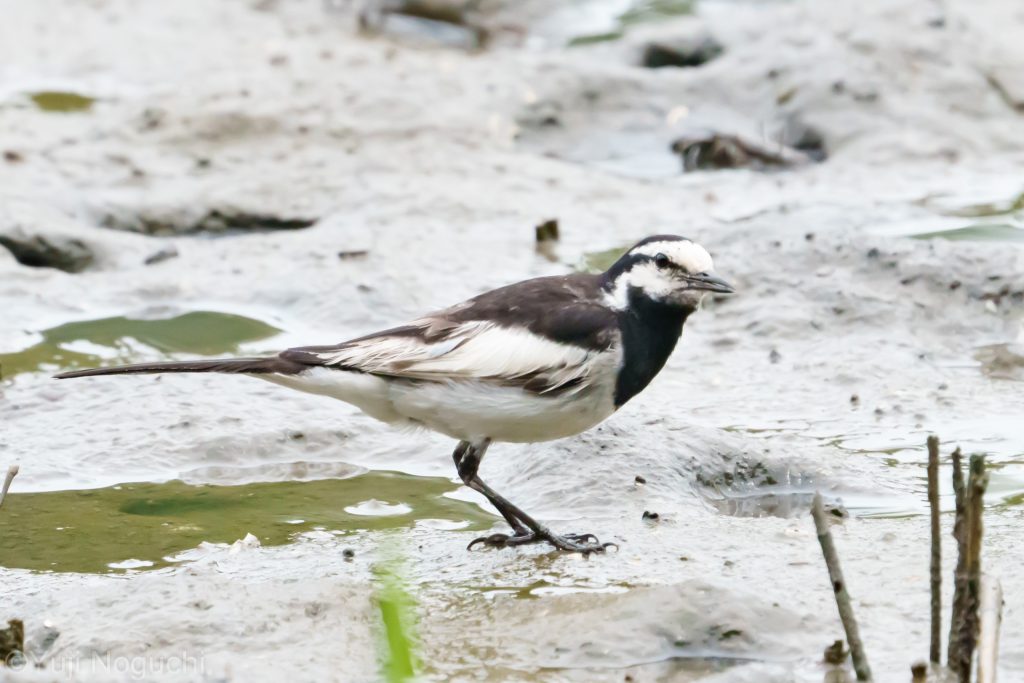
(527, 529)
(467, 460)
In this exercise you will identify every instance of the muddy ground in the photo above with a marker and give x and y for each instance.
(296, 181)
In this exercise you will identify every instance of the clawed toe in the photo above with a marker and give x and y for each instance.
(505, 540)
(580, 543)
(581, 538)
(492, 541)
(572, 543)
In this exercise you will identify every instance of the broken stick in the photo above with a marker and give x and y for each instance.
(991, 617)
(12, 471)
(960, 573)
(935, 650)
(835, 573)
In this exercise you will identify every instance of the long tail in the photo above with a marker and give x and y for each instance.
(245, 366)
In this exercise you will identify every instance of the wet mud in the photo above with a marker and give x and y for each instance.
(316, 181)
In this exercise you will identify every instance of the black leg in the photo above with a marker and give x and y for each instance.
(467, 458)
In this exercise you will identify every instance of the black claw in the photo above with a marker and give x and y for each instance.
(492, 541)
(582, 538)
(572, 543)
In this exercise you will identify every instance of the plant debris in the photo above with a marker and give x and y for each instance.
(709, 150)
(215, 222)
(12, 641)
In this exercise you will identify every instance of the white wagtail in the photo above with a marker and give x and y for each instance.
(541, 359)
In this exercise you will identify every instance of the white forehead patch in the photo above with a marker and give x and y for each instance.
(685, 253)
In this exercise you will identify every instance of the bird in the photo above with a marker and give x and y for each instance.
(542, 359)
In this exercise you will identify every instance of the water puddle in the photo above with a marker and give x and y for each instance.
(60, 101)
(121, 339)
(993, 207)
(604, 21)
(600, 261)
(1002, 361)
(980, 232)
(139, 526)
(680, 669)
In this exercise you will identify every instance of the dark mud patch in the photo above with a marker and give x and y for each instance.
(134, 526)
(90, 343)
(39, 251)
(711, 150)
(216, 222)
(684, 53)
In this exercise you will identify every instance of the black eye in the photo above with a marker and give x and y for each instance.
(661, 261)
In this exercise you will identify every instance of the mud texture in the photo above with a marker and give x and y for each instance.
(880, 299)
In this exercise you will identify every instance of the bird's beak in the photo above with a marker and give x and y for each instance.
(710, 283)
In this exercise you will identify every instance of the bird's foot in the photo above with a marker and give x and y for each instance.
(571, 543)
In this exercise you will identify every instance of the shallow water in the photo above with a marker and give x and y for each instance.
(149, 525)
(63, 102)
(117, 340)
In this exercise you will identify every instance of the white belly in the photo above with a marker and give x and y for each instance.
(475, 410)
(465, 410)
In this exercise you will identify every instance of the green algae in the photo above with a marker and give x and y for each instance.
(89, 530)
(61, 101)
(197, 332)
(982, 232)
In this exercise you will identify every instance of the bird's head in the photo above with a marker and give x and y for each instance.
(667, 269)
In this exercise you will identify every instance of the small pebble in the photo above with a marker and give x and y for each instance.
(652, 516)
(348, 554)
(353, 254)
(639, 480)
(164, 254)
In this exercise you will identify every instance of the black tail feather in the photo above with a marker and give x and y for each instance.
(245, 366)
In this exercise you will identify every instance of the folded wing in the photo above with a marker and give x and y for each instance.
(555, 352)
